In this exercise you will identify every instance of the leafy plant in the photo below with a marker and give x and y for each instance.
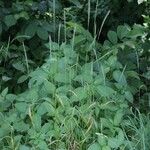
(76, 102)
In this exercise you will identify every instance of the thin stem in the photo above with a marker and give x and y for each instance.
(26, 58)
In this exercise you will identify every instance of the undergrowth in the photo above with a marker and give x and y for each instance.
(63, 90)
(82, 97)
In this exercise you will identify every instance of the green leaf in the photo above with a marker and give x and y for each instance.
(116, 142)
(105, 91)
(129, 96)
(112, 36)
(118, 118)
(31, 29)
(76, 3)
(62, 77)
(5, 78)
(106, 148)
(53, 46)
(113, 143)
(141, 1)
(36, 120)
(5, 129)
(102, 140)
(31, 95)
(22, 79)
(138, 31)
(132, 74)
(112, 60)
(42, 33)
(20, 126)
(122, 31)
(80, 93)
(49, 87)
(94, 146)
(4, 92)
(119, 77)
(43, 145)
(45, 107)
(21, 107)
(10, 20)
(24, 147)
(22, 14)
(19, 66)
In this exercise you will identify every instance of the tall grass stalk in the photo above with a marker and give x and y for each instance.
(73, 38)
(26, 58)
(50, 46)
(59, 29)
(54, 16)
(89, 13)
(100, 30)
(65, 29)
(95, 16)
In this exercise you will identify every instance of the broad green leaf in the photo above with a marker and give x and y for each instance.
(5, 78)
(113, 143)
(47, 26)
(36, 120)
(11, 97)
(45, 107)
(42, 145)
(19, 66)
(80, 93)
(4, 92)
(68, 52)
(49, 87)
(62, 77)
(10, 20)
(118, 118)
(141, 1)
(105, 91)
(106, 148)
(132, 74)
(42, 33)
(32, 95)
(137, 31)
(21, 107)
(46, 127)
(31, 29)
(5, 129)
(64, 89)
(119, 77)
(84, 78)
(147, 75)
(121, 136)
(112, 60)
(102, 139)
(129, 96)
(122, 31)
(76, 3)
(106, 123)
(24, 147)
(112, 36)
(20, 126)
(94, 146)
(116, 142)
(23, 14)
(52, 46)
(22, 79)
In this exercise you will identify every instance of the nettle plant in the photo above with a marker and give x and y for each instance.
(78, 99)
